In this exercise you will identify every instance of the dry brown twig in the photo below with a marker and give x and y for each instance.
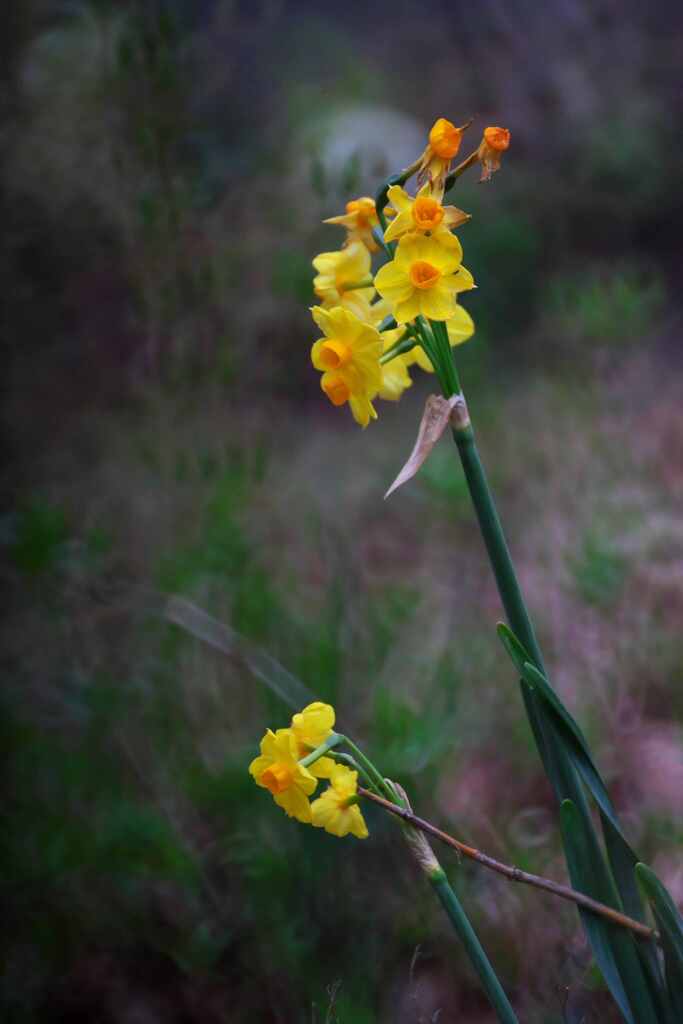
(513, 873)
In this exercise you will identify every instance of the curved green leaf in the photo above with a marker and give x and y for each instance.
(670, 924)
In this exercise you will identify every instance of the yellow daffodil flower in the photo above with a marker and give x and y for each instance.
(359, 220)
(435, 162)
(460, 327)
(424, 277)
(278, 770)
(348, 357)
(311, 727)
(337, 810)
(493, 144)
(422, 214)
(340, 274)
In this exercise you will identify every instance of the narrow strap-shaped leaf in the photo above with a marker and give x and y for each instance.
(656, 983)
(565, 782)
(623, 861)
(616, 955)
(617, 950)
(670, 924)
(518, 653)
(621, 855)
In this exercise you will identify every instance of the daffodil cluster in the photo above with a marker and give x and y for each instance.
(281, 768)
(375, 327)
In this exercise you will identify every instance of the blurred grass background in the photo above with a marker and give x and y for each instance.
(167, 166)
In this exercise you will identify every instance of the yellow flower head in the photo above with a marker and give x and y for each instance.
(278, 770)
(348, 356)
(359, 220)
(460, 327)
(337, 810)
(311, 727)
(435, 162)
(493, 144)
(338, 277)
(424, 277)
(421, 214)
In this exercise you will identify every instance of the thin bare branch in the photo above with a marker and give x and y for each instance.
(513, 873)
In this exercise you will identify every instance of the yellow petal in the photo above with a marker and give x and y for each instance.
(323, 768)
(409, 308)
(409, 249)
(362, 408)
(378, 311)
(258, 766)
(393, 283)
(442, 250)
(294, 803)
(460, 327)
(419, 356)
(367, 348)
(356, 263)
(347, 220)
(461, 281)
(395, 379)
(326, 262)
(269, 745)
(437, 303)
(390, 338)
(399, 198)
(304, 780)
(325, 810)
(315, 354)
(358, 301)
(402, 222)
(357, 827)
(322, 319)
(314, 724)
(285, 745)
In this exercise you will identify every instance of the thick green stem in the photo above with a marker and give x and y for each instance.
(450, 380)
(496, 545)
(473, 947)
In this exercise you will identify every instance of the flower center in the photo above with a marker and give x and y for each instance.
(423, 275)
(427, 213)
(444, 138)
(364, 210)
(334, 353)
(277, 778)
(336, 388)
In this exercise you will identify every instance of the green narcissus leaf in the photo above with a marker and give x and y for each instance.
(670, 924)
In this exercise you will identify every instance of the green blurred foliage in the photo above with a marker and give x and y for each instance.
(598, 570)
(606, 309)
(40, 535)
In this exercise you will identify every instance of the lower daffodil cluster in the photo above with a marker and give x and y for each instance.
(279, 770)
(368, 322)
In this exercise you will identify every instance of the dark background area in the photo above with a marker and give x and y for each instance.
(166, 168)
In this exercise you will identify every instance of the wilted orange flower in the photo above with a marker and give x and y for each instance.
(493, 144)
(435, 163)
